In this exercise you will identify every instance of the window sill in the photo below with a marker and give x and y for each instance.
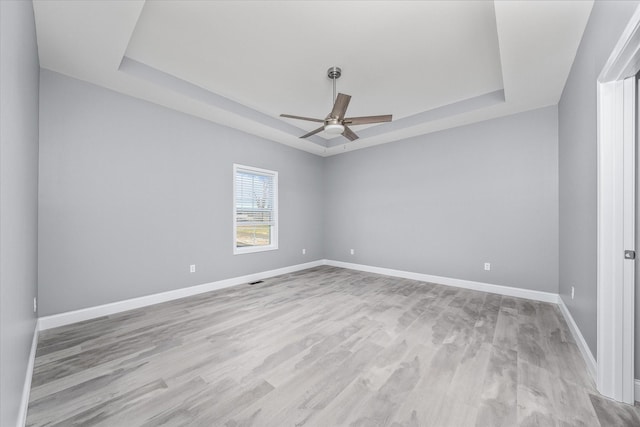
(253, 249)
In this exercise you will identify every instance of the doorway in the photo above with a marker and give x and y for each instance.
(617, 133)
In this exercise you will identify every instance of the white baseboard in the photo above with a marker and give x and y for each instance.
(459, 283)
(26, 388)
(56, 320)
(62, 319)
(582, 344)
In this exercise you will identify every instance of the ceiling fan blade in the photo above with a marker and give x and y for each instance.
(367, 119)
(313, 132)
(340, 106)
(349, 134)
(310, 119)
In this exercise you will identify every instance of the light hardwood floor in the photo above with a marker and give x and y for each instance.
(321, 347)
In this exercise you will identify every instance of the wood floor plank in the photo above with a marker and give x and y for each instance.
(321, 347)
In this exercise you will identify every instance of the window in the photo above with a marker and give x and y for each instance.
(255, 211)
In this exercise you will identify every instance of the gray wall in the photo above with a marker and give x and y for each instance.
(19, 70)
(445, 203)
(131, 193)
(577, 159)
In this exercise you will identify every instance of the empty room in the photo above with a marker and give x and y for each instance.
(319, 213)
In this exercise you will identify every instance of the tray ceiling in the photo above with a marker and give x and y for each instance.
(433, 65)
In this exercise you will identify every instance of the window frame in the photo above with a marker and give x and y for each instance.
(274, 228)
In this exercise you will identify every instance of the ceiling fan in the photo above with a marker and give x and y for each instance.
(336, 123)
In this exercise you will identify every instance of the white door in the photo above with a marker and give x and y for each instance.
(616, 235)
(629, 223)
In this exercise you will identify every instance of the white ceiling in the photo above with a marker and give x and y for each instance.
(432, 64)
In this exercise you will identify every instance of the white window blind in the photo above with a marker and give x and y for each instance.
(255, 209)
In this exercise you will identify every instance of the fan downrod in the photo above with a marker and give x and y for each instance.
(334, 73)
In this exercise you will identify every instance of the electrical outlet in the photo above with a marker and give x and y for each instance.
(304, 251)
(35, 304)
(353, 251)
(573, 292)
(192, 268)
(487, 266)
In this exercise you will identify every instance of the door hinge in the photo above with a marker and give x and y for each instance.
(629, 254)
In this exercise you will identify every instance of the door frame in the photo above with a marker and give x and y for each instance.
(616, 99)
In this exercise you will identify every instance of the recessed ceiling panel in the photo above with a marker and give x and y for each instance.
(399, 58)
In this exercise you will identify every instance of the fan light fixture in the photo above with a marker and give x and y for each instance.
(334, 129)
